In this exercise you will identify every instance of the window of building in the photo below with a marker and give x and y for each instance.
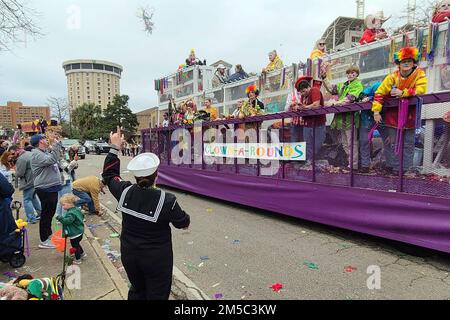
(109, 68)
(98, 66)
(76, 66)
(86, 65)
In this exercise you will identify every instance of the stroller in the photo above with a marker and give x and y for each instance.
(12, 243)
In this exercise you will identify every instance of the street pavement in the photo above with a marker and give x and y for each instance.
(236, 252)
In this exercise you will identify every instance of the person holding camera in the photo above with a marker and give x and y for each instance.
(47, 181)
(31, 201)
(6, 164)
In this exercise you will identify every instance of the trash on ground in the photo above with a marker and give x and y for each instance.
(216, 285)
(350, 269)
(218, 296)
(94, 226)
(191, 267)
(277, 287)
(311, 265)
(204, 258)
(114, 235)
(10, 274)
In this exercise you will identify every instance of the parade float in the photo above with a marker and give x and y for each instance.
(412, 206)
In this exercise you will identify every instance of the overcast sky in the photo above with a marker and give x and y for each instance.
(235, 31)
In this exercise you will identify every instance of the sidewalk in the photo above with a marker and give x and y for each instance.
(99, 278)
(102, 274)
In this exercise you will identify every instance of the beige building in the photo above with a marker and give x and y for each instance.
(147, 118)
(92, 81)
(15, 113)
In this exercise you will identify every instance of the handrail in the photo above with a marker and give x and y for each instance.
(431, 98)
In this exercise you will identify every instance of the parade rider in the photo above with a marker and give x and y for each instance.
(146, 240)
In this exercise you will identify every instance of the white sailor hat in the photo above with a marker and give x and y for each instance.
(144, 165)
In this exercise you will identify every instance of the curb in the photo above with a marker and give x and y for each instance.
(115, 276)
(177, 273)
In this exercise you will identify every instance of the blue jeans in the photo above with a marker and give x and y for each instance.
(85, 198)
(67, 188)
(319, 140)
(296, 132)
(31, 203)
(364, 147)
(392, 160)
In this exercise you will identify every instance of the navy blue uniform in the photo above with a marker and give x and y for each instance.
(146, 239)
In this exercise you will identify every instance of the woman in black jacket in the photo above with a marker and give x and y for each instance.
(7, 224)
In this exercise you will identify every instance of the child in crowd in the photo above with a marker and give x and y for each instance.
(367, 123)
(66, 168)
(348, 92)
(408, 81)
(73, 225)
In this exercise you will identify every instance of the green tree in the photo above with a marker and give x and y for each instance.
(119, 114)
(89, 121)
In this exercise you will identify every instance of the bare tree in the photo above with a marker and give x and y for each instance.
(423, 15)
(16, 23)
(59, 108)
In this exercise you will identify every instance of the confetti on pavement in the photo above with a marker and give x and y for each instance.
(190, 243)
(94, 226)
(218, 296)
(277, 287)
(236, 242)
(114, 235)
(10, 275)
(311, 265)
(204, 258)
(209, 210)
(350, 269)
(201, 264)
(191, 267)
(216, 285)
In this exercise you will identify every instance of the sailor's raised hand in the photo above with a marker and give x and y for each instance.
(117, 138)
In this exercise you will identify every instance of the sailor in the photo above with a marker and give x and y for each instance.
(147, 212)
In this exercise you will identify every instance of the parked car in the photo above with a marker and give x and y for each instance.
(90, 146)
(67, 143)
(102, 147)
